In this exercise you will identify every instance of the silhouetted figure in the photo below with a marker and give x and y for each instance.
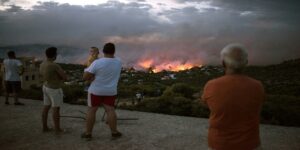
(53, 77)
(139, 97)
(13, 69)
(235, 102)
(104, 74)
(94, 52)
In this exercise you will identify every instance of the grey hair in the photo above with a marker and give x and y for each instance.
(234, 56)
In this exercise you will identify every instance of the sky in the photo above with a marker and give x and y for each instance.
(181, 31)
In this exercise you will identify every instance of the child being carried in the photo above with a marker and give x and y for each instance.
(94, 52)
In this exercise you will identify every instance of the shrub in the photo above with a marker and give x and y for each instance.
(169, 93)
(179, 89)
(150, 90)
(184, 89)
(277, 109)
(199, 110)
(180, 106)
(167, 105)
(281, 110)
(72, 93)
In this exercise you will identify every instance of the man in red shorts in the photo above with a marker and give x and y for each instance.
(104, 74)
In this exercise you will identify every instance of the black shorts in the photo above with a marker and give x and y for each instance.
(13, 86)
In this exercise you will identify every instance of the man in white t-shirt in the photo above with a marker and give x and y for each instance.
(13, 68)
(104, 74)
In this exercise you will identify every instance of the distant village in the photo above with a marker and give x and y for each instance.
(30, 76)
(32, 79)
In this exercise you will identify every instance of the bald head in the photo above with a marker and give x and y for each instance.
(234, 56)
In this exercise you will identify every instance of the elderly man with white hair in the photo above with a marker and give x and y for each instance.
(235, 102)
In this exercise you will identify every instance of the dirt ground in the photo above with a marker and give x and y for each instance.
(20, 128)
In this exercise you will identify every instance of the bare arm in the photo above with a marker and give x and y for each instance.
(88, 76)
(62, 74)
(21, 70)
(202, 102)
(205, 94)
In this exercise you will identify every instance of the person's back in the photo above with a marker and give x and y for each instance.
(107, 73)
(53, 76)
(50, 76)
(104, 73)
(235, 102)
(11, 67)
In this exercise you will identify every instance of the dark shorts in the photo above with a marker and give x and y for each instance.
(1, 83)
(13, 86)
(96, 100)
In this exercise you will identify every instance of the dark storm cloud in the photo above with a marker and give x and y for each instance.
(184, 1)
(4, 1)
(274, 5)
(76, 26)
(14, 8)
(270, 33)
(67, 24)
(191, 34)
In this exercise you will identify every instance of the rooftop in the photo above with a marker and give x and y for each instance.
(20, 128)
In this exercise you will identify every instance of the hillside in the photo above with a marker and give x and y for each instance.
(177, 93)
(280, 79)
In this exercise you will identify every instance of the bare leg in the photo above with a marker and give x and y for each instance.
(56, 119)
(45, 117)
(6, 97)
(6, 93)
(111, 118)
(15, 95)
(90, 119)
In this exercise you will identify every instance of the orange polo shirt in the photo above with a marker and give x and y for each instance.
(235, 102)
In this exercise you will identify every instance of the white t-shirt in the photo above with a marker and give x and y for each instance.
(11, 67)
(107, 73)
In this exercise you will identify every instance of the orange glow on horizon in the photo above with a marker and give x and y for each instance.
(165, 65)
(146, 64)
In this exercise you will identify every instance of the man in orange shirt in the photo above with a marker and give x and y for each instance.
(235, 101)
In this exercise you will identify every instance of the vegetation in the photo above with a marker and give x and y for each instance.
(281, 110)
(281, 82)
(180, 95)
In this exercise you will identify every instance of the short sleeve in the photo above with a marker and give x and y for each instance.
(91, 68)
(262, 91)
(206, 92)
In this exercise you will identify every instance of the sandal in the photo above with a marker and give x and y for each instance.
(88, 137)
(116, 135)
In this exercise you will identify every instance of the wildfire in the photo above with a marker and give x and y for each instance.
(146, 64)
(166, 65)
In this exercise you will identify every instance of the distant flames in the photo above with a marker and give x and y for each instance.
(165, 65)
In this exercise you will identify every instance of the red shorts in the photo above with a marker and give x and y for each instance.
(96, 100)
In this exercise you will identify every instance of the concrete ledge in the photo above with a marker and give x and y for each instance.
(20, 128)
